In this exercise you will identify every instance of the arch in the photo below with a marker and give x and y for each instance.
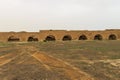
(30, 39)
(67, 38)
(98, 37)
(83, 37)
(112, 37)
(12, 38)
(50, 38)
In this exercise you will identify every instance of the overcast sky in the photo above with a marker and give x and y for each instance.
(35, 15)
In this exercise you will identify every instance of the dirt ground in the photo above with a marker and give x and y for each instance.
(69, 60)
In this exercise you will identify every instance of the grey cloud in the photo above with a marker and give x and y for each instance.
(32, 15)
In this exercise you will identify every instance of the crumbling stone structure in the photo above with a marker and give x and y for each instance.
(60, 35)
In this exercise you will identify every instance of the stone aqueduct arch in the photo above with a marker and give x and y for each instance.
(83, 37)
(59, 35)
(98, 37)
(66, 38)
(50, 38)
(13, 38)
(112, 37)
(32, 38)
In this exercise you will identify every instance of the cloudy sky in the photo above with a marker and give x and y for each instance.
(35, 15)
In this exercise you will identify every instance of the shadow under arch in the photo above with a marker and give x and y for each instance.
(13, 38)
(50, 38)
(83, 37)
(32, 39)
(98, 37)
(67, 38)
(112, 37)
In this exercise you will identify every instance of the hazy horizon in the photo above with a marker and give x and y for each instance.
(35, 15)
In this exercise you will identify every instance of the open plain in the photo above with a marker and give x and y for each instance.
(60, 60)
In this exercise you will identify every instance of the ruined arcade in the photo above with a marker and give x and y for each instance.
(60, 35)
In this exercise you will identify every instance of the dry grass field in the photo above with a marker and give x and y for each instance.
(68, 60)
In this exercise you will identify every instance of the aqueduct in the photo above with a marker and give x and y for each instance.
(60, 35)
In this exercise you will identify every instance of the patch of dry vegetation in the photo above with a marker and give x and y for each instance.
(99, 59)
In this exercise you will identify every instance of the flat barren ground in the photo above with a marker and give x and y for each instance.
(68, 60)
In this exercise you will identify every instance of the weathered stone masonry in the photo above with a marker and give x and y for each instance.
(59, 35)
